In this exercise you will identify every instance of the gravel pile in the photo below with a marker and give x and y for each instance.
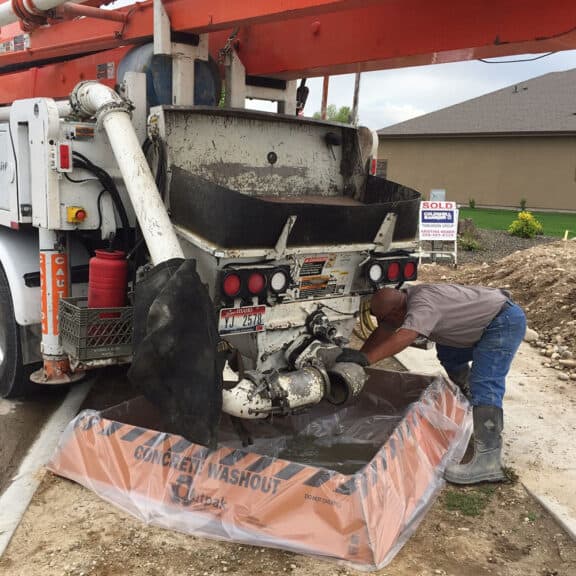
(497, 244)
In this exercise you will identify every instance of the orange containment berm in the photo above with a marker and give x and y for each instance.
(346, 483)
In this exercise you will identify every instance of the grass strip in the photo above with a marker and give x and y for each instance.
(468, 501)
(554, 223)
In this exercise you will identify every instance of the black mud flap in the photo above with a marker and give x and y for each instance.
(176, 364)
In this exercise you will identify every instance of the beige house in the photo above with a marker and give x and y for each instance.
(512, 144)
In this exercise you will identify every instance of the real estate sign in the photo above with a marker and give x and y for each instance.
(438, 221)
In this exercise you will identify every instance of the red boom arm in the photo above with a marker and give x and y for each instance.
(294, 38)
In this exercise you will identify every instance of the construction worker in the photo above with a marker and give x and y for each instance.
(469, 324)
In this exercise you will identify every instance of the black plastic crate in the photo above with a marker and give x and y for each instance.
(94, 333)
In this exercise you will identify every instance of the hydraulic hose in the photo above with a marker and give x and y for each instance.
(160, 150)
(109, 186)
(366, 324)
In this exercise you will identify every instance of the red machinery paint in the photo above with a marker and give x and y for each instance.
(108, 279)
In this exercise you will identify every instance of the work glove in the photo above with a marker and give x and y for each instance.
(354, 356)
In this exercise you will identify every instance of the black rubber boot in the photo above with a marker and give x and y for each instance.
(461, 379)
(485, 465)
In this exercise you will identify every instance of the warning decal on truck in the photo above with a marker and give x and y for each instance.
(325, 275)
(17, 44)
(313, 266)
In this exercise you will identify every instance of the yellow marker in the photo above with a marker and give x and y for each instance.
(75, 214)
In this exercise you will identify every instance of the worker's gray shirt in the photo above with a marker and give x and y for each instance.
(450, 314)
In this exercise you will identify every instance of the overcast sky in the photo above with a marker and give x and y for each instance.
(391, 96)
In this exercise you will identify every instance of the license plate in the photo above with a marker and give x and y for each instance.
(241, 320)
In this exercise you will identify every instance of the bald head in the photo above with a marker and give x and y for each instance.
(389, 306)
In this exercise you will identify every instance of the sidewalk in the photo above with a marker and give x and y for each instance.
(539, 428)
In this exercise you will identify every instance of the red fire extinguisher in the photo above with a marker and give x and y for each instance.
(108, 279)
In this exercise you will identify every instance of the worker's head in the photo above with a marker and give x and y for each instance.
(389, 307)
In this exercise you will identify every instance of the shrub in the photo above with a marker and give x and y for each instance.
(525, 226)
(472, 203)
(468, 236)
(466, 227)
(522, 204)
(469, 243)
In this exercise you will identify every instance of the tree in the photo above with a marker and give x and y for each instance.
(334, 114)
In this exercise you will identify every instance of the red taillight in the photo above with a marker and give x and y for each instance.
(393, 272)
(231, 285)
(409, 270)
(373, 166)
(256, 283)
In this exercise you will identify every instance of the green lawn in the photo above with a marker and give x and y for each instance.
(554, 223)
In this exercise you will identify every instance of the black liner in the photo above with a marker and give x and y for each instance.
(231, 219)
(337, 438)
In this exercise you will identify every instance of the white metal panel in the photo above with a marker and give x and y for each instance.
(261, 154)
(34, 124)
(8, 190)
(94, 144)
(183, 72)
(134, 88)
(19, 256)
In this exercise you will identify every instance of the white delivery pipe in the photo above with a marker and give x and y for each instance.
(93, 99)
(8, 16)
(259, 395)
(297, 389)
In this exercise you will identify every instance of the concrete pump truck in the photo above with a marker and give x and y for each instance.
(148, 218)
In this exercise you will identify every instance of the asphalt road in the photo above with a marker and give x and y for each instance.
(22, 420)
(20, 423)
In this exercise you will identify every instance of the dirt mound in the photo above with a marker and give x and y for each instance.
(542, 279)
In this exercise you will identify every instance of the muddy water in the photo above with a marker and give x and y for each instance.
(339, 438)
(346, 448)
(343, 457)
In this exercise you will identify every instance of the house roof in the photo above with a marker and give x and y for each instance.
(542, 105)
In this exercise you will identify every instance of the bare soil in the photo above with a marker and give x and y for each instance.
(69, 531)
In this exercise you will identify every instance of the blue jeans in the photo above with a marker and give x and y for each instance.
(491, 356)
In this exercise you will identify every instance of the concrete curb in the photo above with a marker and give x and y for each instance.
(557, 511)
(15, 500)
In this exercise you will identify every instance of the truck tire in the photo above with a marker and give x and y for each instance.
(14, 376)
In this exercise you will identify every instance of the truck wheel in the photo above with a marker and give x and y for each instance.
(14, 376)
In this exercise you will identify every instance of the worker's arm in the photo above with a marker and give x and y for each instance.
(382, 343)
